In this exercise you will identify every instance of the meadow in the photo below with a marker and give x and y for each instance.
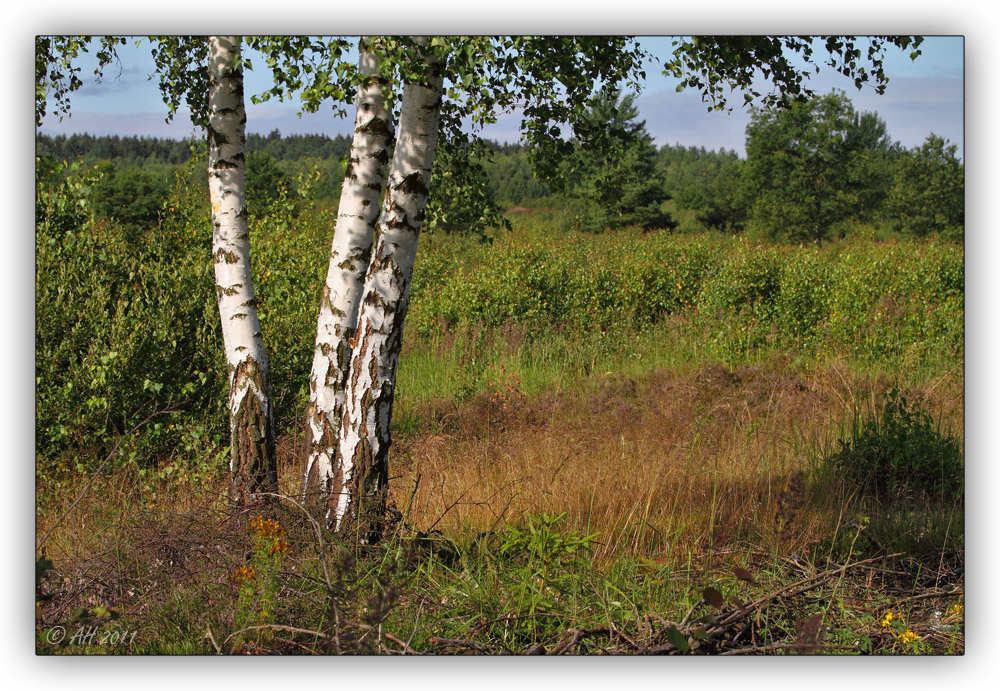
(620, 442)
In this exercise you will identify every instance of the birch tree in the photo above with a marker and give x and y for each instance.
(252, 463)
(360, 483)
(349, 257)
(208, 76)
(357, 490)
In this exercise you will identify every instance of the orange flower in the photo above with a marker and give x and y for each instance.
(244, 573)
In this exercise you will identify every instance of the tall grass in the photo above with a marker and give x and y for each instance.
(588, 429)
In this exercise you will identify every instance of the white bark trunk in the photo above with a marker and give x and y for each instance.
(361, 483)
(251, 419)
(349, 257)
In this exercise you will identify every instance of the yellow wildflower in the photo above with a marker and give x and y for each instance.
(887, 619)
(908, 637)
(244, 573)
(280, 545)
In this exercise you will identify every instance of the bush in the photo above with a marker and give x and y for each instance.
(898, 450)
(129, 196)
(62, 195)
(265, 181)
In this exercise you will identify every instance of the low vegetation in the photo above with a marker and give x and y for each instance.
(660, 441)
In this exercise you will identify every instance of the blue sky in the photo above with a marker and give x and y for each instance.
(924, 96)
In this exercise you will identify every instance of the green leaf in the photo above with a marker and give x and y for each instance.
(678, 639)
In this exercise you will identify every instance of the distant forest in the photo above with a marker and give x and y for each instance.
(816, 171)
(509, 174)
(153, 150)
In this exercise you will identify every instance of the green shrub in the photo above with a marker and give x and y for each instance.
(129, 196)
(899, 449)
(62, 195)
(802, 301)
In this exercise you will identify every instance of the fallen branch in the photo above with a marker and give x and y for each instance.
(797, 588)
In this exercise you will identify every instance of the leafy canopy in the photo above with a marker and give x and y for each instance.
(715, 64)
(928, 194)
(57, 75)
(810, 166)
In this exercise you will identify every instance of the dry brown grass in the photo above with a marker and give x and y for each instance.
(663, 462)
(689, 470)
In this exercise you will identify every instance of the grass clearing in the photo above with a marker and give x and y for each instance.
(620, 443)
(583, 521)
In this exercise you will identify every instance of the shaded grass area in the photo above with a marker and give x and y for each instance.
(673, 511)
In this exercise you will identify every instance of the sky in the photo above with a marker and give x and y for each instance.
(924, 95)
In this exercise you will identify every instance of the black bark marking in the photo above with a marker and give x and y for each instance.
(413, 184)
(254, 465)
(376, 127)
(231, 290)
(223, 255)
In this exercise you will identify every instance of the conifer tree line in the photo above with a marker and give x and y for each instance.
(813, 161)
(918, 190)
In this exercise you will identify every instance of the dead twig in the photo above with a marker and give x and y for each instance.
(456, 643)
(577, 635)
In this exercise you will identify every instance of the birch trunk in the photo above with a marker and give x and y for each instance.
(349, 257)
(252, 462)
(361, 481)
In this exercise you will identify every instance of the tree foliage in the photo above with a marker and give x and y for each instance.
(265, 181)
(130, 196)
(616, 183)
(705, 181)
(56, 73)
(714, 65)
(462, 200)
(810, 167)
(928, 194)
(510, 176)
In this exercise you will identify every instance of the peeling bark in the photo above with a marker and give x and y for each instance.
(361, 483)
(349, 257)
(252, 464)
